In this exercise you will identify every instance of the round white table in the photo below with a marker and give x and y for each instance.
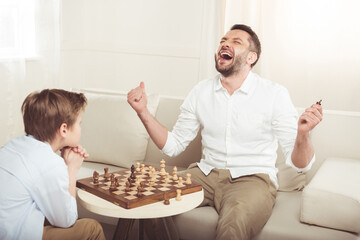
(101, 206)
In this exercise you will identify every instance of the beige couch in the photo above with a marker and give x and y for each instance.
(115, 138)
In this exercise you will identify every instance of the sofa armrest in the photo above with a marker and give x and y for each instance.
(332, 198)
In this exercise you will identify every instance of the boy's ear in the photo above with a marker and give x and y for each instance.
(63, 130)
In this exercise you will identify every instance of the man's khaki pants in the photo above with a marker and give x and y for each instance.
(82, 229)
(244, 204)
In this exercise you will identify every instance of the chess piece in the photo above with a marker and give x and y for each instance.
(137, 167)
(106, 174)
(166, 180)
(166, 198)
(188, 179)
(178, 195)
(175, 177)
(143, 171)
(162, 165)
(151, 182)
(96, 177)
(132, 175)
(113, 185)
(142, 186)
(127, 188)
(137, 182)
(180, 183)
(117, 182)
(139, 194)
(112, 177)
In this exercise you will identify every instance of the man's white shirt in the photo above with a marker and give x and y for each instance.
(240, 132)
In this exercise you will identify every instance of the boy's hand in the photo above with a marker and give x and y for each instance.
(74, 157)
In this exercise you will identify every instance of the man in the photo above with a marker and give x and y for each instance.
(242, 118)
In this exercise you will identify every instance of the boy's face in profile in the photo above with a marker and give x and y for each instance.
(74, 131)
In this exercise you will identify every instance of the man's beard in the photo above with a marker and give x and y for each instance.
(233, 68)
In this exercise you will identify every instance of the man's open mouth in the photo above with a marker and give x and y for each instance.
(225, 55)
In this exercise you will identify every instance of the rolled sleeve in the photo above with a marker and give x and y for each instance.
(290, 163)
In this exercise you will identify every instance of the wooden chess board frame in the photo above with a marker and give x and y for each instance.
(88, 185)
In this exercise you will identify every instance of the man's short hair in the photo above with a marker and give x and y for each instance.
(255, 44)
(44, 112)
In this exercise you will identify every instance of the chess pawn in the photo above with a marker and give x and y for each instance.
(106, 174)
(174, 170)
(151, 183)
(137, 167)
(166, 180)
(188, 179)
(180, 184)
(143, 171)
(137, 182)
(96, 177)
(142, 186)
(112, 177)
(117, 182)
(178, 195)
(139, 194)
(166, 198)
(127, 188)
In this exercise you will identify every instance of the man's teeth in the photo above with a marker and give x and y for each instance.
(225, 54)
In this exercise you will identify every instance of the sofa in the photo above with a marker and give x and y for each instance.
(115, 138)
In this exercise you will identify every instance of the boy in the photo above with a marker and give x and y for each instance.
(35, 182)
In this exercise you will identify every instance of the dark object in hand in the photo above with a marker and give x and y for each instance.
(319, 102)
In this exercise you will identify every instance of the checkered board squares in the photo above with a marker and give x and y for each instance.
(130, 199)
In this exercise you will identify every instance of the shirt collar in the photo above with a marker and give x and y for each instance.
(247, 86)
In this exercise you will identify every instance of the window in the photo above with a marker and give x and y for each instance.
(17, 29)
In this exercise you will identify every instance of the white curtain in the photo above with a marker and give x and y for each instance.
(310, 47)
(212, 31)
(29, 56)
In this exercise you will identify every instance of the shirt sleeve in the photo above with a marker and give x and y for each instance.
(186, 127)
(51, 194)
(284, 123)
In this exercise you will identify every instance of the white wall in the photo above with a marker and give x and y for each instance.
(116, 44)
(310, 47)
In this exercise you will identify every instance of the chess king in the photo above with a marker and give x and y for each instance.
(242, 118)
(38, 184)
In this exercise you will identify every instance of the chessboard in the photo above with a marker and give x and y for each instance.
(138, 186)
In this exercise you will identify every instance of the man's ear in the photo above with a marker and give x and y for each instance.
(252, 57)
(63, 130)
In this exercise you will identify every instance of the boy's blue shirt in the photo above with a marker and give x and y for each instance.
(34, 184)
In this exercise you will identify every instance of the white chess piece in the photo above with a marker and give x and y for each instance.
(180, 184)
(162, 165)
(178, 195)
(137, 167)
(143, 171)
(188, 179)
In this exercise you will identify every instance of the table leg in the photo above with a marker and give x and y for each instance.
(141, 229)
(157, 228)
(123, 229)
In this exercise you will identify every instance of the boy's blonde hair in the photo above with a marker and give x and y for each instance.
(44, 112)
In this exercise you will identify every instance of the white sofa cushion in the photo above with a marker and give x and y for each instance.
(332, 198)
(112, 133)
